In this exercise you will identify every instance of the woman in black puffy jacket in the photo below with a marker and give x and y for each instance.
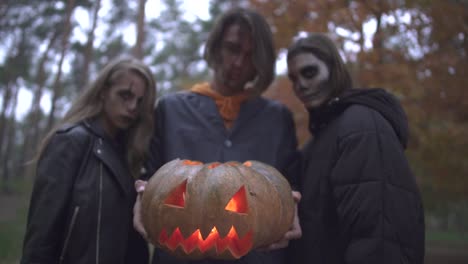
(360, 202)
(83, 195)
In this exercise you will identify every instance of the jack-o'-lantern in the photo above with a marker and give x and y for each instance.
(216, 210)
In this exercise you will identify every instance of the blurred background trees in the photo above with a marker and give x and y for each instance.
(417, 49)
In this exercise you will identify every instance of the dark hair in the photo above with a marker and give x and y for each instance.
(263, 54)
(324, 48)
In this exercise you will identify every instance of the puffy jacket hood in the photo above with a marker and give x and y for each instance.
(378, 99)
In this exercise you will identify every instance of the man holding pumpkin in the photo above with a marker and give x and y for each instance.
(360, 202)
(226, 119)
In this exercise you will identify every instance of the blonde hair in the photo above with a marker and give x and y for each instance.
(89, 104)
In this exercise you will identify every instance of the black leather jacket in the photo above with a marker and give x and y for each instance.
(82, 200)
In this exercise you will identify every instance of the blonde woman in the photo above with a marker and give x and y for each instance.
(81, 204)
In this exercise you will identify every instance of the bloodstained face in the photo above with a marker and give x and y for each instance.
(309, 76)
(235, 68)
(122, 102)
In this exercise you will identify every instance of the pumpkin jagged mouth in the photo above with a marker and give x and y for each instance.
(238, 247)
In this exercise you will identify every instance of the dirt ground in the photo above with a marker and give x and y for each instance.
(438, 253)
(9, 204)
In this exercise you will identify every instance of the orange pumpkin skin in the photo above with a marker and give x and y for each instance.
(222, 211)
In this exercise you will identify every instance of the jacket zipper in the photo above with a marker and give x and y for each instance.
(99, 210)
(70, 229)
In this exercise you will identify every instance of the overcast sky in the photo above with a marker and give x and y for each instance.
(192, 9)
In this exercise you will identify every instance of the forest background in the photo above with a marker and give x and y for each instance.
(416, 49)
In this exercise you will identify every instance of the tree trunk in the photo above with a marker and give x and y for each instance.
(3, 113)
(57, 89)
(88, 55)
(32, 131)
(140, 41)
(8, 156)
(377, 42)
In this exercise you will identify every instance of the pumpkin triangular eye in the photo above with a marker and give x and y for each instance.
(238, 202)
(177, 196)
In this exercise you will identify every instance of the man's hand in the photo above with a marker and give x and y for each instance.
(294, 232)
(137, 223)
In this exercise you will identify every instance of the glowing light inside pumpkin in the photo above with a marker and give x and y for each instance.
(192, 162)
(214, 165)
(248, 164)
(238, 202)
(237, 247)
(177, 196)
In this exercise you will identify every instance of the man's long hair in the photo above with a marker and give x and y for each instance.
(323, 47)
(89, 104)
(263, 53)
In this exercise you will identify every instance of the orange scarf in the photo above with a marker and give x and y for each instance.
(228, 106)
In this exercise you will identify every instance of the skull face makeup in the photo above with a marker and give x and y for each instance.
(309, 76)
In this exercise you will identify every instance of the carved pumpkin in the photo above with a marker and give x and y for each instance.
(195, 210)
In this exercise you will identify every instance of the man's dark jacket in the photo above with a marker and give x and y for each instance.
(189, 126)
(360, 202)
(82, 201)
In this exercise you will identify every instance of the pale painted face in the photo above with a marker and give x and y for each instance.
(309, 76)
(122, 103)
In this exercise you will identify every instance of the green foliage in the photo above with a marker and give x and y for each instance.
(453, 237)
(440, 151)
(13, 220)
(11, 234)
(179, 59)
(121, 13)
